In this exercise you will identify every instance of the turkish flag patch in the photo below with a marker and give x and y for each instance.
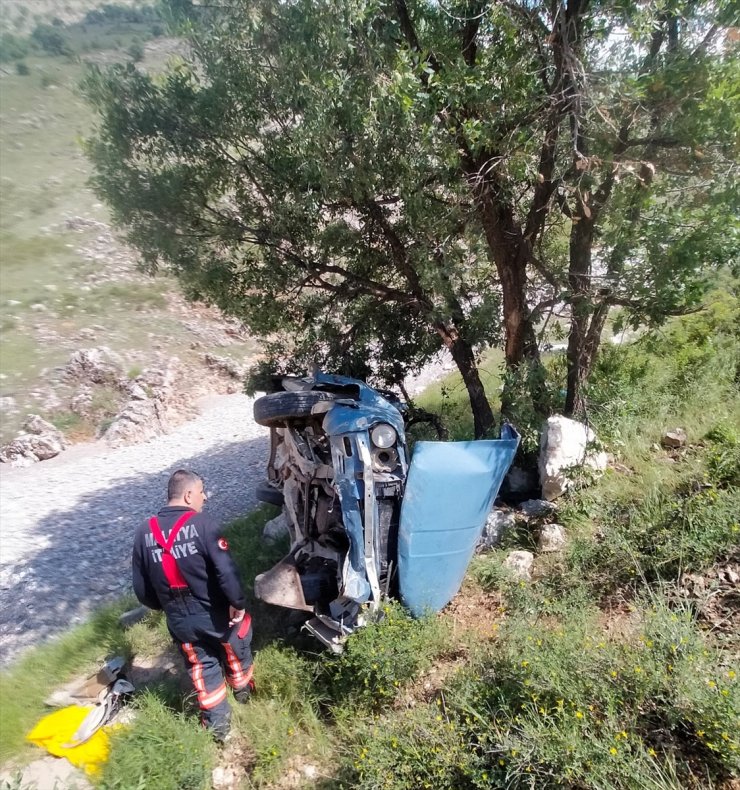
(223, 544)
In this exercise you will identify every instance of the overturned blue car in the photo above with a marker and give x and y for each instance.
(366, 520)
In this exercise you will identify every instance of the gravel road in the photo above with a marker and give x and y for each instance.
(66, 525)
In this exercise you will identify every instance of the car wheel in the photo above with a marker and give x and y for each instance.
(269, 494)
(277, 407)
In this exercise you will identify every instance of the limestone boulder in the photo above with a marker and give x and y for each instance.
(30, 448)
(520, 563)
(551, 538)
(674, 438)
(95, 365)
(566, 446)
(498, 523)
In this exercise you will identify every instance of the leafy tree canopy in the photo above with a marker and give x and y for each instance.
(370, 180)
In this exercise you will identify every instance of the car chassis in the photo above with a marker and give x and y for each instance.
(339, 464)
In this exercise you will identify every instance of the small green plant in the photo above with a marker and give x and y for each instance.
(379, 659)
(22, 69)
(161, 748)
(723, 457)
(136, 52)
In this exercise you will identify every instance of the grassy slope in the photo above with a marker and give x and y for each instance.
(596, 675)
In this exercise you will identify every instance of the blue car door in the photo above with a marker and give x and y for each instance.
(449, 492)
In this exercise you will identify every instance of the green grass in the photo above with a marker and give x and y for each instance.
(30, 680)
(561, 704)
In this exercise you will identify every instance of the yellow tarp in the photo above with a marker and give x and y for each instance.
(56, 730)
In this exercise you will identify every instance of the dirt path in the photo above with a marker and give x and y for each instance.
(66, 524)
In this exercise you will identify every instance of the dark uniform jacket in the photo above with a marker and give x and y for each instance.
(202, 555)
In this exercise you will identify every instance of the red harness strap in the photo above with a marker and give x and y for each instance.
(174, 577)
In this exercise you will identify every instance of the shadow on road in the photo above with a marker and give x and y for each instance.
(85, 555)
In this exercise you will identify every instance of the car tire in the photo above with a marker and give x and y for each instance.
(277, 407)
(269, 494)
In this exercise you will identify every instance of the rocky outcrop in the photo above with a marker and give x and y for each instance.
(40, 441)
(96, 366)
(155, 403)
(566, 446)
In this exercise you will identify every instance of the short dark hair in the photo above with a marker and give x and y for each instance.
(179, 483)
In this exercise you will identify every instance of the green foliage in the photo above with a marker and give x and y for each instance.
(694, 360)
(723, 457)
(435, 176)
(51, 40)
(12, 47)
(160, 749)
(22, 69)
(381, 658)
(656, 538)
(566, 703)
(417, 749)
(563, 704)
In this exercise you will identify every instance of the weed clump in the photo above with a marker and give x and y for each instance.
(161, 749)
(381, 658)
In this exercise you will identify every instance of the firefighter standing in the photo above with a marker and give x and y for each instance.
(182, 564)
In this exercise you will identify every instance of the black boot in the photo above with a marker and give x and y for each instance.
(243, 695)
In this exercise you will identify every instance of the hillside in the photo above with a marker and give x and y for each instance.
(67, 282)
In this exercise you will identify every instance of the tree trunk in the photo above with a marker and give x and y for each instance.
(506, 247)
(579, 280)
(462, 354)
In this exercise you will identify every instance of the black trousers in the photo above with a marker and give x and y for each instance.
(215, 655)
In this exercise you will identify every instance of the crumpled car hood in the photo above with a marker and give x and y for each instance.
(450, 489)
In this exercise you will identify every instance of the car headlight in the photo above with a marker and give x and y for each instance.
(383, 435)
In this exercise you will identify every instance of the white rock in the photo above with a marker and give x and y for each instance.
(552, 538)
(565, 445)
(497, 524)
(223, 778)
(520, 564)
(40, 426)
(674, 438)
(28, 448)
(38, 307)
(310, 771)
(276, 528)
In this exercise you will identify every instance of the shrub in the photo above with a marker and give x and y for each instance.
(160, 749)
(22, 69)
(421, 748)
(381, 657)
(666, 533)
(723, 457)
(51, 40)
(12, 47)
